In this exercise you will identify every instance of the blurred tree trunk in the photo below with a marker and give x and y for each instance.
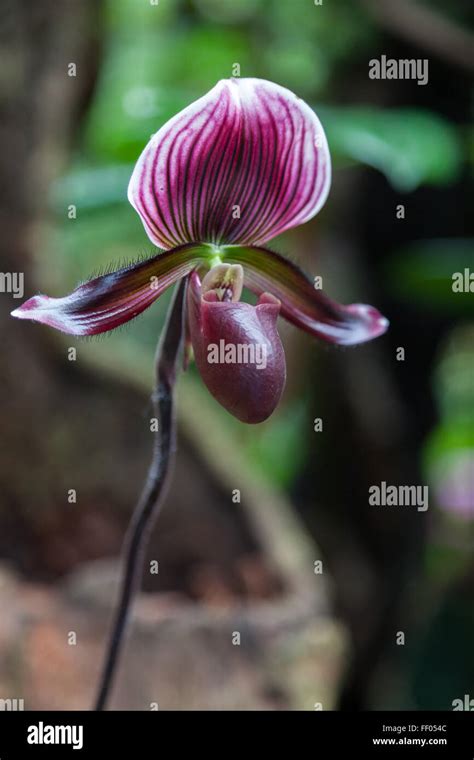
(40, 108)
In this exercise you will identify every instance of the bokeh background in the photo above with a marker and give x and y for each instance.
(337, 604)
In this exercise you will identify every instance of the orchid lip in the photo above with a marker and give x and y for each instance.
(247, 386)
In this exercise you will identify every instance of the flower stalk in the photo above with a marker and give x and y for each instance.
(167, 363)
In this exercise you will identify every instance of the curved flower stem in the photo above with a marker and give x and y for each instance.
(166, 366)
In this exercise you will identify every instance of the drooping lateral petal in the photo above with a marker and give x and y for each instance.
(301, 303)
(240, 165)
(115, 298)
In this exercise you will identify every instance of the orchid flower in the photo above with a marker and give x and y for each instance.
(223, 177)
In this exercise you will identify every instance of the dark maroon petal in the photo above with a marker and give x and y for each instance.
(302, 304)
(238, 352)
(240, 165)
(113, 299)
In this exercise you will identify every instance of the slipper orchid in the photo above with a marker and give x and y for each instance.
(239, 166)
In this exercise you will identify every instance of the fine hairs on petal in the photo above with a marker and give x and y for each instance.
(108, 301)
(124, 262)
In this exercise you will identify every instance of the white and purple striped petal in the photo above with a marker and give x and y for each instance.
(106, 302)
(240, 165)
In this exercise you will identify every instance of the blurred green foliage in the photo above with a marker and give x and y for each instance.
(422, 274)
(410, 147)
(449, 449)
